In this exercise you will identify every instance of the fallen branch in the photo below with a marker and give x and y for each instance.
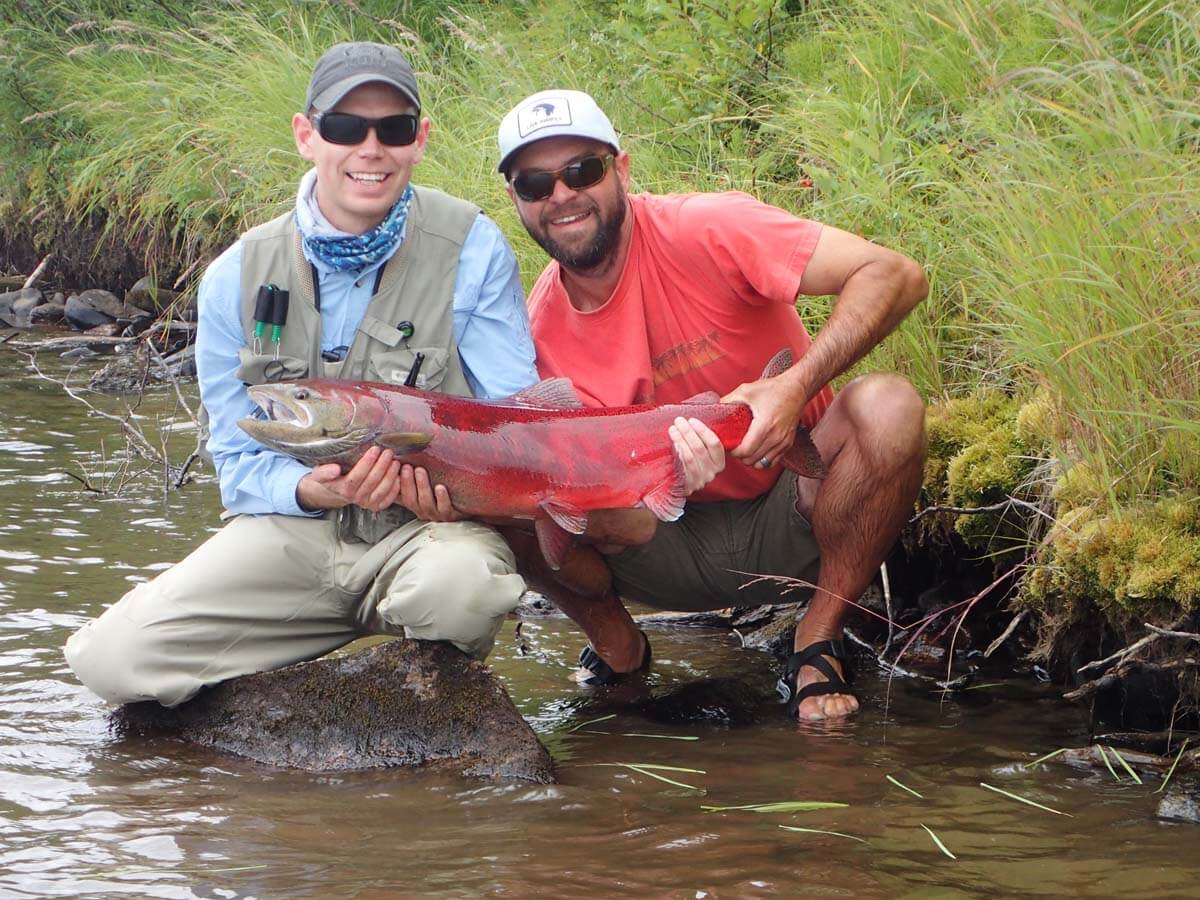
(37, 272)
(1120, 656)
(1165, 632)
(1008, 632)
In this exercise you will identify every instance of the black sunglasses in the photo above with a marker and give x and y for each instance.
(347, 128)
(583, 173)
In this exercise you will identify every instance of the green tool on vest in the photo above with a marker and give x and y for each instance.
(270, 308)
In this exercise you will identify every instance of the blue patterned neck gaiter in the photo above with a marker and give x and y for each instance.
(358, 251)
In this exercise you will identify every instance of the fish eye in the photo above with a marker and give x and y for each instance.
(301, 394)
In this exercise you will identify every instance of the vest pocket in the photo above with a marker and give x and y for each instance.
(258, 368)
(393, 366)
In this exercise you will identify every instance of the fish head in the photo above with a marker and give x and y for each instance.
(315, 421)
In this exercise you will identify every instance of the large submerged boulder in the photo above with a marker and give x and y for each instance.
(400, 703)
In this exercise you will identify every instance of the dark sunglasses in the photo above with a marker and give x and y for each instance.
(347, 128)
(533, 186)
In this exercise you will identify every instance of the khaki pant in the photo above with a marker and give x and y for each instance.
(268, 591)
(711, 557)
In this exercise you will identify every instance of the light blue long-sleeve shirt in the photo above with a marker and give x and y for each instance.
(491, 328)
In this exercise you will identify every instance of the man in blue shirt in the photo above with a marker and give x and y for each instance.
(385, 281)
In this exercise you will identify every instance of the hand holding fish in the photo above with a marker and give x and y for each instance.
(427, 501)
(700, 451)
(776, 407)
(373, 483)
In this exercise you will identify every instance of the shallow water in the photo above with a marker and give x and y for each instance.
(82, 814)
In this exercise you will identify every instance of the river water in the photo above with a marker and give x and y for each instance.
(83, 814)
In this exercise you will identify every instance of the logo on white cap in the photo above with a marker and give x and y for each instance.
(545, 113)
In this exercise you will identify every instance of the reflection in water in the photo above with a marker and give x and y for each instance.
(84, 815)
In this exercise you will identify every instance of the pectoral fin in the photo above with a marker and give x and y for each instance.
(803, 457)
(667, 498)
(404, 441)
(554, 542)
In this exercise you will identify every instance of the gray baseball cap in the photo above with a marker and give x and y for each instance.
(343, 67)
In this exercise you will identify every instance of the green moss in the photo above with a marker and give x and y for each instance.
(1143, 562)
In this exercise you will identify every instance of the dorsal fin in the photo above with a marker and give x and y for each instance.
(667, 498)
(705, 398)
(552, 393)
(803, 457)
(780, 363)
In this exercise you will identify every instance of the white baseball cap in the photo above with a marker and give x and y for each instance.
(553, 113)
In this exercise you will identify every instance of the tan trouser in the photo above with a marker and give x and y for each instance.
(268, 591)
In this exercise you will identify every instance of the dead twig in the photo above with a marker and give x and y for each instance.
(1010, 503)
(1124, 653)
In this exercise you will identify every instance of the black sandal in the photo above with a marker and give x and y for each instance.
(602, 674)
(814, 655)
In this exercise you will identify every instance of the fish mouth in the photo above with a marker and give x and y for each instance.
(285, 410)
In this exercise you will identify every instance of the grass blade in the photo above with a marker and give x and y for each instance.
(821, 831)
(663, 737)
(1020, 799)
(937, 840)
(664, 778)
(662, 768)
(903, 787)
(1171, 771)
(1042, 759)
(592, 722)
(1125, 765)
(783, 806)
(1112, 771)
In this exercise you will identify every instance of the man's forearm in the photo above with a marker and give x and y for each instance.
(871, 304)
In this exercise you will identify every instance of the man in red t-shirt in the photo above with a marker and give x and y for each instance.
(657, 298)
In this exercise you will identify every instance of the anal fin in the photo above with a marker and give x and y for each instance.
(554, 542)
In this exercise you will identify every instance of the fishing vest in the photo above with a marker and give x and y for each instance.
(416, 286)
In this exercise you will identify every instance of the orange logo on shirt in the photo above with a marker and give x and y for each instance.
(683, 358)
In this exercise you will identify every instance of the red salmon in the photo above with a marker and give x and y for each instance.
(537, 455)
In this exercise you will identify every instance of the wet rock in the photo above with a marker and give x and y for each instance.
(48, 314)
(722, 701)
(775, 637)
(1181, 803)
(15, 307)
(533, 605)
(400, 703)
(106, 302)
(83, 317)
(147, 296)
(134, 367)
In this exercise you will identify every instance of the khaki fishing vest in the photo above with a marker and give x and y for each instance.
(416, 286)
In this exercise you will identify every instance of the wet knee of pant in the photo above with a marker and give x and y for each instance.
(454, 592)
(111, 658)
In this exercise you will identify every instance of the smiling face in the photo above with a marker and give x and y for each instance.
(357, 185)
(581, 229)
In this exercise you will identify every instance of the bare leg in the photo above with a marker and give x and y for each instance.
(873, 442)
(582, 589)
